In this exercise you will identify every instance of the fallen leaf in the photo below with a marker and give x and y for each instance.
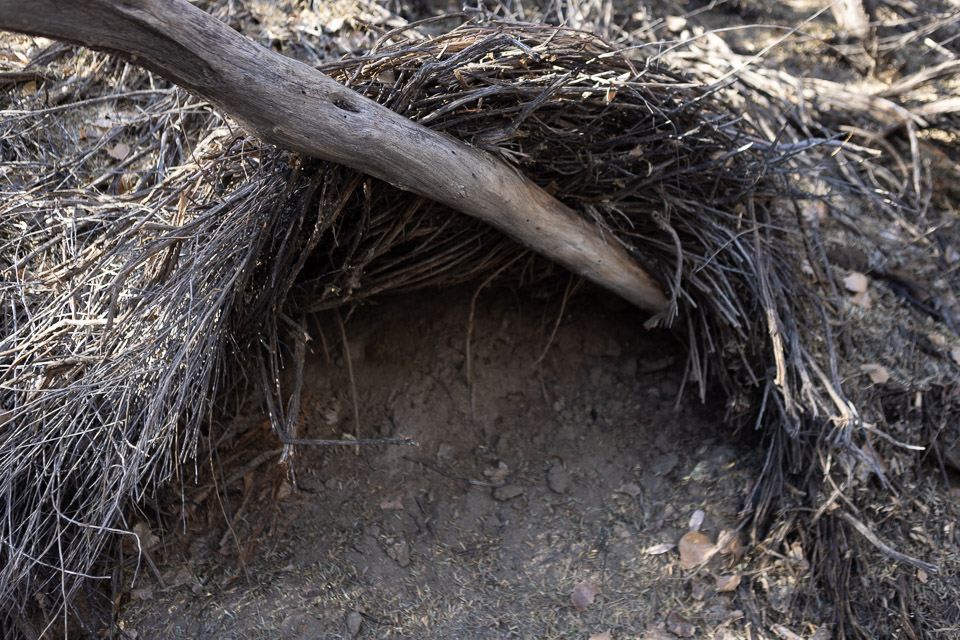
(680, 626)
(583, 595)
(103, 122)
(695, 549)
(631, 489)
(392, 504)
(726, 540)
(856, 282)
(330, 415)
(143, 593)
(878, 373)
(119, 151)
(698, 590)
(955, 354)
(922, 576)
(147, 539)
(795, 552)
(869, 462)
(785, 633)
(823, 632)
(728, 583)
(602, 636)
(177, 578)
(285, 490)
(498, 473)
(862, 300)
(696, 520)
(659, 549)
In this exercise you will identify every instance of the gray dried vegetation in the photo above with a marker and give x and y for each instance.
(155, 259)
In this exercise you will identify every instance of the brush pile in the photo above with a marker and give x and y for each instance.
(153, 259)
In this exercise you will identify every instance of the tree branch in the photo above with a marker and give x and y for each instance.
(293, 106)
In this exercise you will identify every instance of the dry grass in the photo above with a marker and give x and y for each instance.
(147, 251)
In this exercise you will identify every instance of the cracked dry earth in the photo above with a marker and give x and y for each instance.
(546, 504)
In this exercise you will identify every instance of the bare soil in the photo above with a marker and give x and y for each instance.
(577, 467)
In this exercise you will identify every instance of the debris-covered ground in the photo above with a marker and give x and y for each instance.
(563, 477)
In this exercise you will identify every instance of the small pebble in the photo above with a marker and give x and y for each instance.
(558, 479)
(509, 492)
(354, 620)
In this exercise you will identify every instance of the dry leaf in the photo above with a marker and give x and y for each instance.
(631, 489)
(285, 490)
(497, 474)
(330, 415)
(119, 151)
(583, 595)
(680, 626)
(785, 633)
(698, 589)
(602, 636)
(856, 282)
(868, 463)
(177, 578)
(726, 540)
(862, 300)
(102, 123)
(695, 549)
(143, 593)
(955, 354)
(392, 504)
(728, 583)
(147, 539)
(795, 552)
(823, 632)
(696, 520)
(878, 373)
(658, 549)
(729, 543)
(922, 576)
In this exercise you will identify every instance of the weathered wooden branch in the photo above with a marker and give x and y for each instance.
(292, 105)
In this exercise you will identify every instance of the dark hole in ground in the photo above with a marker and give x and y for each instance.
(562, 472)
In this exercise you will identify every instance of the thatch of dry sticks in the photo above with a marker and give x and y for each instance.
(149, 253)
